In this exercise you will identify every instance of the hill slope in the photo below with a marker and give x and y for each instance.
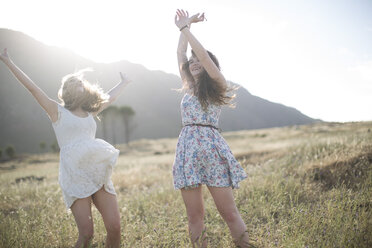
(25, 125)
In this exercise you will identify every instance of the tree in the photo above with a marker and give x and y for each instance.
(127, 113)
(109, 114)
(1, 153)
(42, 146)
(54, 147)
(10, 151)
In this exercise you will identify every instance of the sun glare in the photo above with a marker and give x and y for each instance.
(277, 54)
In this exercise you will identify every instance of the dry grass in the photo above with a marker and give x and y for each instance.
(308, 186)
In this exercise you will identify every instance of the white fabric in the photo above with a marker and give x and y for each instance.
(86, 163)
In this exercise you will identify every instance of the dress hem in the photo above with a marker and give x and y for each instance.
(68, 206)
(232, 185)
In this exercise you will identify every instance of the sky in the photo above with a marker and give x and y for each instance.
(313, 55)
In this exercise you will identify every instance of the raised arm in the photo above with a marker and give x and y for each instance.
(115, 92)
(181, 55)
(49, 105)
(202, 54)
(182, 44)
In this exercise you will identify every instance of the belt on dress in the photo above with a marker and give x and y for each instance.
(203, 125)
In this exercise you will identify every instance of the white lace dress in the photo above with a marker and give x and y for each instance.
(86, 163)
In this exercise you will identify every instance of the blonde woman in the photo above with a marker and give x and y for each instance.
(202, 155)
(85, 162)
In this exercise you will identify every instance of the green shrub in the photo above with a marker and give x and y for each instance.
(10, 151)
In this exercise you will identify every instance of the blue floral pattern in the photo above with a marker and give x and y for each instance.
(202, 154)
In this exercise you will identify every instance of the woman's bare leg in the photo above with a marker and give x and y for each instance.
(82, 211)
(193, 200)
(224, 200)
(107, 205)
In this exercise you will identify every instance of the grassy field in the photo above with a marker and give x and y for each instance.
(307, 186)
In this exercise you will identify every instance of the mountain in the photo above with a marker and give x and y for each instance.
(24, 124)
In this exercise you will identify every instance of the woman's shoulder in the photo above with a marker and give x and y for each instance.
(61, 111)
(188, 92)
(187, 96)
(61, 107)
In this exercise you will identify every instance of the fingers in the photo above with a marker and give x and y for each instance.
(179, 13)
(124, 78)
(204, 19)
(182, 13)
(197, 18)
(183, 17)
(4, 54)
(201, 17)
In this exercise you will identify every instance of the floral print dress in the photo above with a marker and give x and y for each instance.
(202, 154)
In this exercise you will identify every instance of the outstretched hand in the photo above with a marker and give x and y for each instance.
(182, 18)
(197, 18)
(124, 78)
(4, 55)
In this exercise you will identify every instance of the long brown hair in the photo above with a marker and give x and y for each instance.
(90, 100)
(207, 90)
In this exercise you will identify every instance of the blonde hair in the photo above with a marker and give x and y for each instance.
(90, 100)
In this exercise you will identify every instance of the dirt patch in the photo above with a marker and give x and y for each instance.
(29, 179)
(8, 211)
(8, 167)
(349, 172)
(41, 161)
